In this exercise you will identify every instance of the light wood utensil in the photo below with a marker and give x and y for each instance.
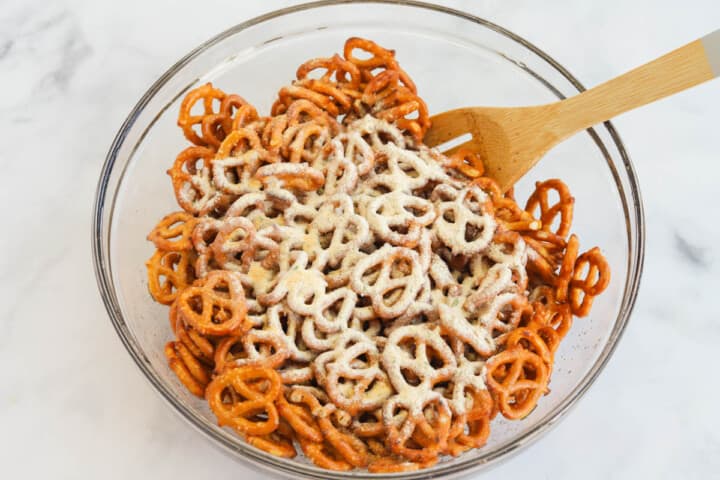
(511, 140)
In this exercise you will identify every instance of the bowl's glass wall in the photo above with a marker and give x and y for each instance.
(455, 62)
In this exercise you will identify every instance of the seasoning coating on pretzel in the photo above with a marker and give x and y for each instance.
(339, 289)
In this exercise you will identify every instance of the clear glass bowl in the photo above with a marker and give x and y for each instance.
(456, 60)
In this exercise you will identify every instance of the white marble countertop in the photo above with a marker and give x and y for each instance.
(74, 405)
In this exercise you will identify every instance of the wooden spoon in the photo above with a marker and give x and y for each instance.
(511, 140)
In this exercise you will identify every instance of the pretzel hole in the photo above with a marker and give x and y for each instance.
(381, 167)
(409, 169)
(553, 196)
(472, 232)
(583, 270)
(554, 225)
(309, 299)
(401, 229)
(415, 211)
(449, 216)
(410, 377)
(401, 267)
(236, 351)
(257, 414)
(221, 314)
(436, 360)
(392, 296)
(174, 230)
(198, 109)
(409, 345)
(325, 240)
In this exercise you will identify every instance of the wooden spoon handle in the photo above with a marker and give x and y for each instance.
(678, 70)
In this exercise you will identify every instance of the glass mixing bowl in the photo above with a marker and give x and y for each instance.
(456, 60)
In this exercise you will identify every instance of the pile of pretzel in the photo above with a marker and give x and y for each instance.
(336, 285)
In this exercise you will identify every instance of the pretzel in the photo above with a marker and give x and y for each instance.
(324, 455)
(456, 322)
(387, 271)
(188, 369)
(303, 142)
(583, 290)
(291, 175)
(238, 244)
(518, 378)
(238, 158)
(427, 418)
(278, 443)
(409, 351)
(548, 213)
(394, 103)
(349, 447)
(168, 274)
(187, 121)
(338, 231)
(296, 407)
(243, 398)
(381, 58)
(399, 218)
(472, 429)
(193, 186)
(324, 94)
(173, 232)
(468, 377)
(463, 222)
(256, 347)
(502, 313)
(302, 111)
(215, 305)
(566, 269)
(377, 133)
(202, 348)
(528, 339)
(351, 383)
(369, 425)
(244, 116)
(351, 146)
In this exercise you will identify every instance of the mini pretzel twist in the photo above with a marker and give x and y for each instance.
(278, 443)
(237, 160)
(299, 176)
(548, 213)
(244, 398)
(336, 231)
(391, 277)
(351, 373)
(168, 274)
(463, 222)
(192, 182)
(518, 378)
(466, 162)
(417, 429)
(584, 289)
(399, 218)
(215, 305)
(173, 233)
(238, 244)
(193, 374)
(472, 429)
(208, 121)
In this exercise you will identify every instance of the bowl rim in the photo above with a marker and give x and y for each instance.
(262, 460)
